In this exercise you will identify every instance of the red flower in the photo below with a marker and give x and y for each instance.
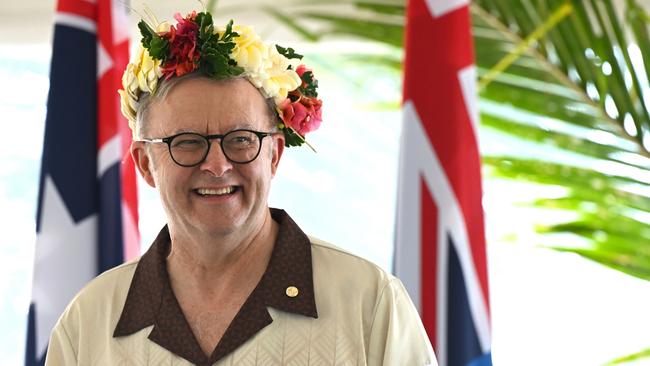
(304, 115)
(183, 55)
(301, 70)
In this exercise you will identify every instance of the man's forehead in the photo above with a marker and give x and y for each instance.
(167, 128)
(209, 106)
(241, 126)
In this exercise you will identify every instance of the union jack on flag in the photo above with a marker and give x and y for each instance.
(440, 250)
(87, 208)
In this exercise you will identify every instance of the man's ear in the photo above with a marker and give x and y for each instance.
(142, 161)
(278, 149)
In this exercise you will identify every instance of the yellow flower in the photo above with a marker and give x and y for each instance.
(249, 51)
(277, 80)
(263, 65)
(130, 94)
(147, 71)
(163, 27)
(130, 82)
(140, 76)
(126, 104)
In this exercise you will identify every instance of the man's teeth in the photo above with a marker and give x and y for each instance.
(218, 192)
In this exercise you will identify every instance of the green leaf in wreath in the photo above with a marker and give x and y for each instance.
(158, 49)
(147, 33)
(288, 52)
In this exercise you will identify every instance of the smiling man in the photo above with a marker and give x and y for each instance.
(230, 281)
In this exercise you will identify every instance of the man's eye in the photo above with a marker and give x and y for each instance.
(242, 140)
(186, 143)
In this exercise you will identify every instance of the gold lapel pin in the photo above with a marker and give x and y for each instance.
(292, 291)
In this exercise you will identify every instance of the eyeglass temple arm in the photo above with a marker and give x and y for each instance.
(152, 140)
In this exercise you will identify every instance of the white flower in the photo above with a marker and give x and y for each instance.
(163, 27)
(249, 51)
(147, 71)
(128, 110)
(130, 82)
(276, 79)
(140, 76)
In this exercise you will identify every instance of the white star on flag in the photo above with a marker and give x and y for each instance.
(62, 247)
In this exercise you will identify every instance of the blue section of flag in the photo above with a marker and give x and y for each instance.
(463, 347)
(69, 158)
(111, 252)
(70, 142)
(31, 359)
(483, 360)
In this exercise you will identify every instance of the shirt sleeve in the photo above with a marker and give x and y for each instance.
(397, 336)
(60, 350)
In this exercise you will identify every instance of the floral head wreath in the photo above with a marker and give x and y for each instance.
(194, 43)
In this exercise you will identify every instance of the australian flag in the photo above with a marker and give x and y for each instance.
(440, 251)
(87, 207)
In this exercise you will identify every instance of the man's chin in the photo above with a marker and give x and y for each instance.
(221, 226)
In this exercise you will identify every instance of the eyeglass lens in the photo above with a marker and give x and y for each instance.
(239, 146)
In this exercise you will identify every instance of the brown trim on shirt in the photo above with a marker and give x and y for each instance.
(151, 301)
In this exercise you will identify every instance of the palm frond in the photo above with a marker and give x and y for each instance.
(563, 77)
(644, 354)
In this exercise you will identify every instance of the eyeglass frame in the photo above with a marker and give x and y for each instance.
(208, 138)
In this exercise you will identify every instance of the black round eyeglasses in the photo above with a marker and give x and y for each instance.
(190, 149)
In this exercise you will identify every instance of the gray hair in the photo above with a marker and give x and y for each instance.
(166, 85)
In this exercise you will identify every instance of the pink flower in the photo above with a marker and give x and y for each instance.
(183, 54)
(304, 115)
(301, 70)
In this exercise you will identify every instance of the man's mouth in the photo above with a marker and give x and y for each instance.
(216, 191)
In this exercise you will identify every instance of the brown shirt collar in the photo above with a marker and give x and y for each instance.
(150, 300)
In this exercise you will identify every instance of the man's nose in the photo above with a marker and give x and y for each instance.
(216, 162)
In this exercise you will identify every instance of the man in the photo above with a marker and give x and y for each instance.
(228, 280)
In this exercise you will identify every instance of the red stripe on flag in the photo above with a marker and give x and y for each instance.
(110, 119)
(109, 82)
(77, 7)
(429, 262)
(432, 82)
(129, 184)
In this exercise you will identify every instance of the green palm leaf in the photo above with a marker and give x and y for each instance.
(557, 75)
(566, 77)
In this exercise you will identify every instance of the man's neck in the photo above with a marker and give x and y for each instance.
(212, 264)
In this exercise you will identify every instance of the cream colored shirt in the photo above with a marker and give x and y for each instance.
(353, 313)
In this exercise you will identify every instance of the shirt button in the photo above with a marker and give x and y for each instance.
(292, 291)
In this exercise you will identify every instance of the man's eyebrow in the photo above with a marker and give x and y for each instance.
(242, 125)
(239, 126)
(182, 130)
